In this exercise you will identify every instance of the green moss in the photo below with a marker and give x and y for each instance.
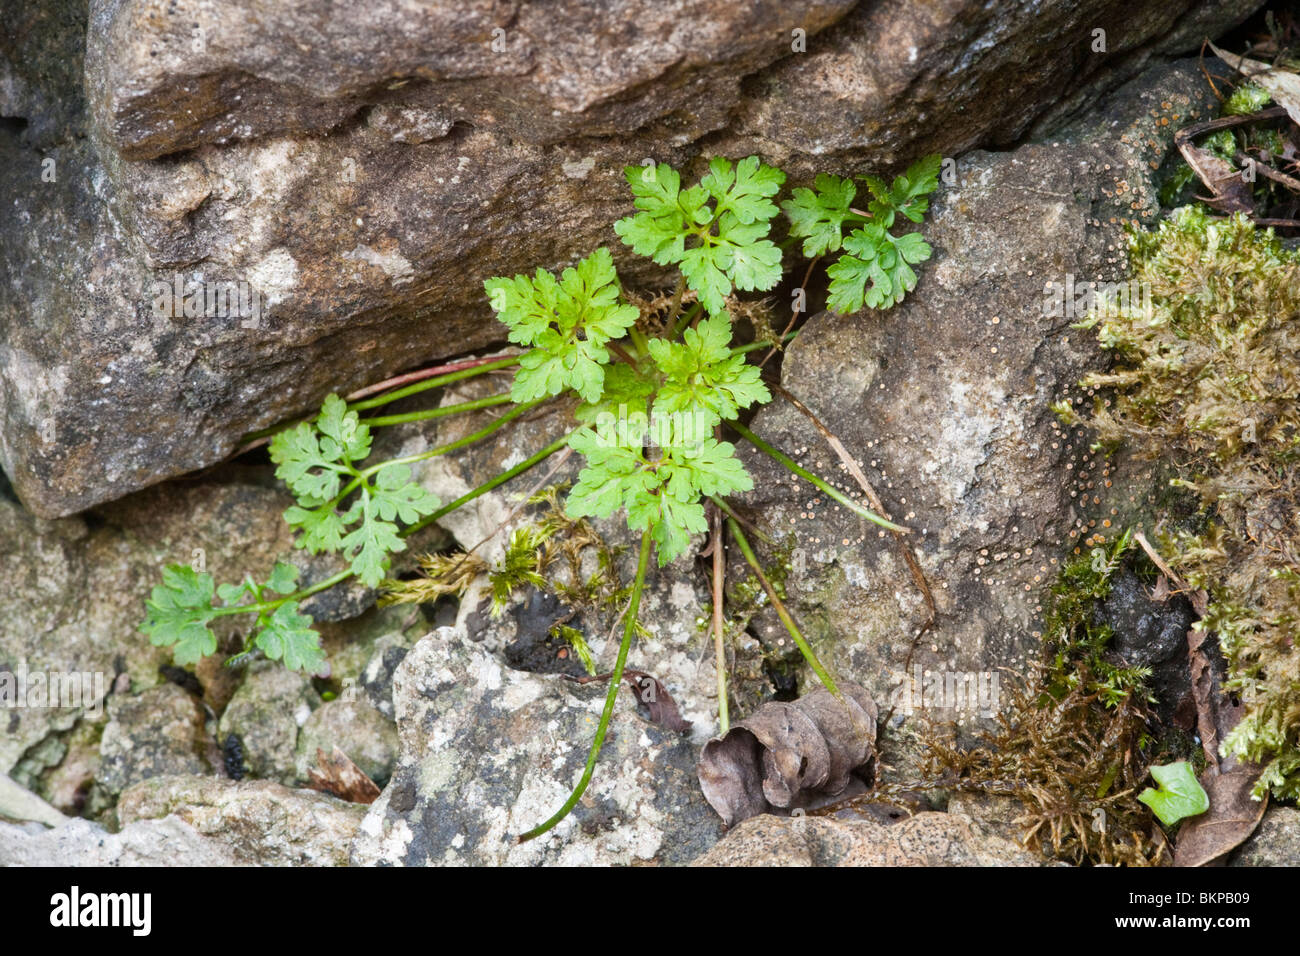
(1078, 643)
(1208, 378)
(1247, 98)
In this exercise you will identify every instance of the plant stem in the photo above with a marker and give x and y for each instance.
(458, 443)
(687, 317)
(755, 346)
(435, 382)
(621, 353)
(719, 649)
(329, 582)
(410, 529)
(804, 648)
(615, 679)
(640, 341)
(794, 467)
(487, 486)
(730, 512)
(418, 375)
(677, 303)
(795, 315)
(475, 405)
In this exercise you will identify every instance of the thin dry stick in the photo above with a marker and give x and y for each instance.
(719, 650)
(517, 508)
(420, 375)
(793, 318)
(1159, 562)
(1264, 169)
(837, 446)
(1208, 78)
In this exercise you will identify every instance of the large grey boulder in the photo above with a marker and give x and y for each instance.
(357, 182)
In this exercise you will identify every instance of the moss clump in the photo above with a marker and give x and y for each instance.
(1079, 642)
(1075, 743)
(1209, 375)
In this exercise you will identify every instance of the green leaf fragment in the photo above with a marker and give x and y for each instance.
(874, 256)
(369, 545)
(817, 215)
(567, 322)
(704, 381)
(313, 457)
(287, 636)
(717, 248)
(907, 194)
(178, 612)
(283, 579)
(1179, 794)
(396, 497)
(745, 190)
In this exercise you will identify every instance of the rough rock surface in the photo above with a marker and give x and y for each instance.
(1276, 842)
(927, 839)
(266, 714)
(255, 821)
(945, 404)
(18, 803)
(489, 752)
(79, 842)
(75, 588)
(153, 734)
(344, 182)
(358, 729)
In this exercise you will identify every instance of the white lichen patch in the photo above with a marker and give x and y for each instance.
(393, 264)
(275, 276)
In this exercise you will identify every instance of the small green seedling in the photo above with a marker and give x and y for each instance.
(1179, 794)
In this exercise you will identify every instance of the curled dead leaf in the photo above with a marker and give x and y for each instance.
(787, 756)
(1282, 85)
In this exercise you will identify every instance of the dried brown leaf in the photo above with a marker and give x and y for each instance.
(1282, 85)
(1228, 191)
(336, 774)
(653, 702)
(1231, 819)
(790, 755)
(1204, 693)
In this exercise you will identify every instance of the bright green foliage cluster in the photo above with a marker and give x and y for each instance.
(661, 495)
(681, 389)
(649, 406)
(567, 324)
(182, 608)
(649, 445)
(702, 379)
(318, 461)
(871, 252)
(314, 459)
(715, 231)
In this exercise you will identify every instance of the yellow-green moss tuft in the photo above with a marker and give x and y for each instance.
(1209, 376)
